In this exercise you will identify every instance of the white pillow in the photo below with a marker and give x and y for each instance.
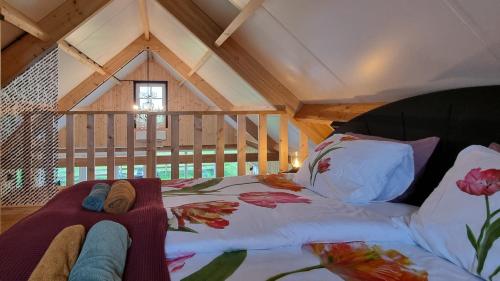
(358, 171)
(459, 200)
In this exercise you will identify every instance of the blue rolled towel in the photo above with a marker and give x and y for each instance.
(103, 254)
(95, 200)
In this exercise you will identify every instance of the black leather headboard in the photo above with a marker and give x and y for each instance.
(460, 117)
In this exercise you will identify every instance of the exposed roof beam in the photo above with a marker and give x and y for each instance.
(96, 79)
(92, 82)
(203, 27)
(81, 57)
(20, 20)
(326, 113)
(247, 11)
(19, 55)
(197, 66)
(183, 69)
(143, 10)
(231, 53)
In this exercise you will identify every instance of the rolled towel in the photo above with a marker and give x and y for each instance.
(60, 256)
(103, 254)
(95, 200)
(120, 198)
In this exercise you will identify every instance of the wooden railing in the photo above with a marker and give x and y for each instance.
(151, 160)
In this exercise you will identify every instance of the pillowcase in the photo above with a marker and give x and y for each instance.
(449, 222)
(357, 171)
(495, 146)
(422, 152)
(422, 149)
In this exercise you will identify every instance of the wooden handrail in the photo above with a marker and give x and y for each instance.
(279, 110)
(151, 159)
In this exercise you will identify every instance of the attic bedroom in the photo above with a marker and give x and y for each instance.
(250, 140)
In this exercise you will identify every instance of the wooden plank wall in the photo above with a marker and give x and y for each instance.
(120, 97)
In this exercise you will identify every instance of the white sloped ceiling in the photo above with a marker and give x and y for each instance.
(343, 50)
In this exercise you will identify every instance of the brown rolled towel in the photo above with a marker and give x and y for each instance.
(60, 256)
(120, 198)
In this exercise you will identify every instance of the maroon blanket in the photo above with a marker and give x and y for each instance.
(23, 245)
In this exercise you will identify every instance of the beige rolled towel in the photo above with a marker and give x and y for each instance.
(120, 198)
(60, 256)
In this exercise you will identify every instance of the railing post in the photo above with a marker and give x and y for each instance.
(242, 144)
(174, 143)
(197, 145)
(90, 147)
(111, 147)
(70, 151)
(283, 155)
(130, 145)
(262, 144)
(220, 146)
(151, 146)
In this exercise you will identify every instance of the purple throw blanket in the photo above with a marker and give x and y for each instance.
(23, 245)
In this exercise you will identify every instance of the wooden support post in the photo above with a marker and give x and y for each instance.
(151, 146)
(303, 147)
(219, 157)
(130, 145)
(197, 145)
(70, 151)
(174, 138)
(111, 147)
(90, 147)
(143, 11)
(242, 144)
(283, 142)
(262, 144)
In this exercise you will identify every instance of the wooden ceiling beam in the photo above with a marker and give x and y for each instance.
(81, 57)
(143, 11)
(326, 113)
(58, 23)
(183, 69)
(87, 86)
(203, 27)
(245, 13)
(22, 21)
(197, 66)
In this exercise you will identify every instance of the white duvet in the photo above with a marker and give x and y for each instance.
(243, 213)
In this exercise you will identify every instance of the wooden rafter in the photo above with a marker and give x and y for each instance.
(81, 57)
(143, 10)
(92, 82)
(231, 53)
(245, 13)
(20, 54)
(20, 20)
(203, 27)
(326, 113)
(197, 66)
(183, 69)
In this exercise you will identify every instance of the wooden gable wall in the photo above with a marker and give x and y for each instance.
(120, 97)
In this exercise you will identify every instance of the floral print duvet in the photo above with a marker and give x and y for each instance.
(269, 228)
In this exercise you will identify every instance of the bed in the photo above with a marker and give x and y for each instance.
(271, 228)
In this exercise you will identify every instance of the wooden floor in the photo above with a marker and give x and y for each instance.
(10, 215)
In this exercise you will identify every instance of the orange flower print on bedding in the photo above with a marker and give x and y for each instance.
(271, 199)
(210, 213)
(356, 261)
(348, 138)
(279, 181)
